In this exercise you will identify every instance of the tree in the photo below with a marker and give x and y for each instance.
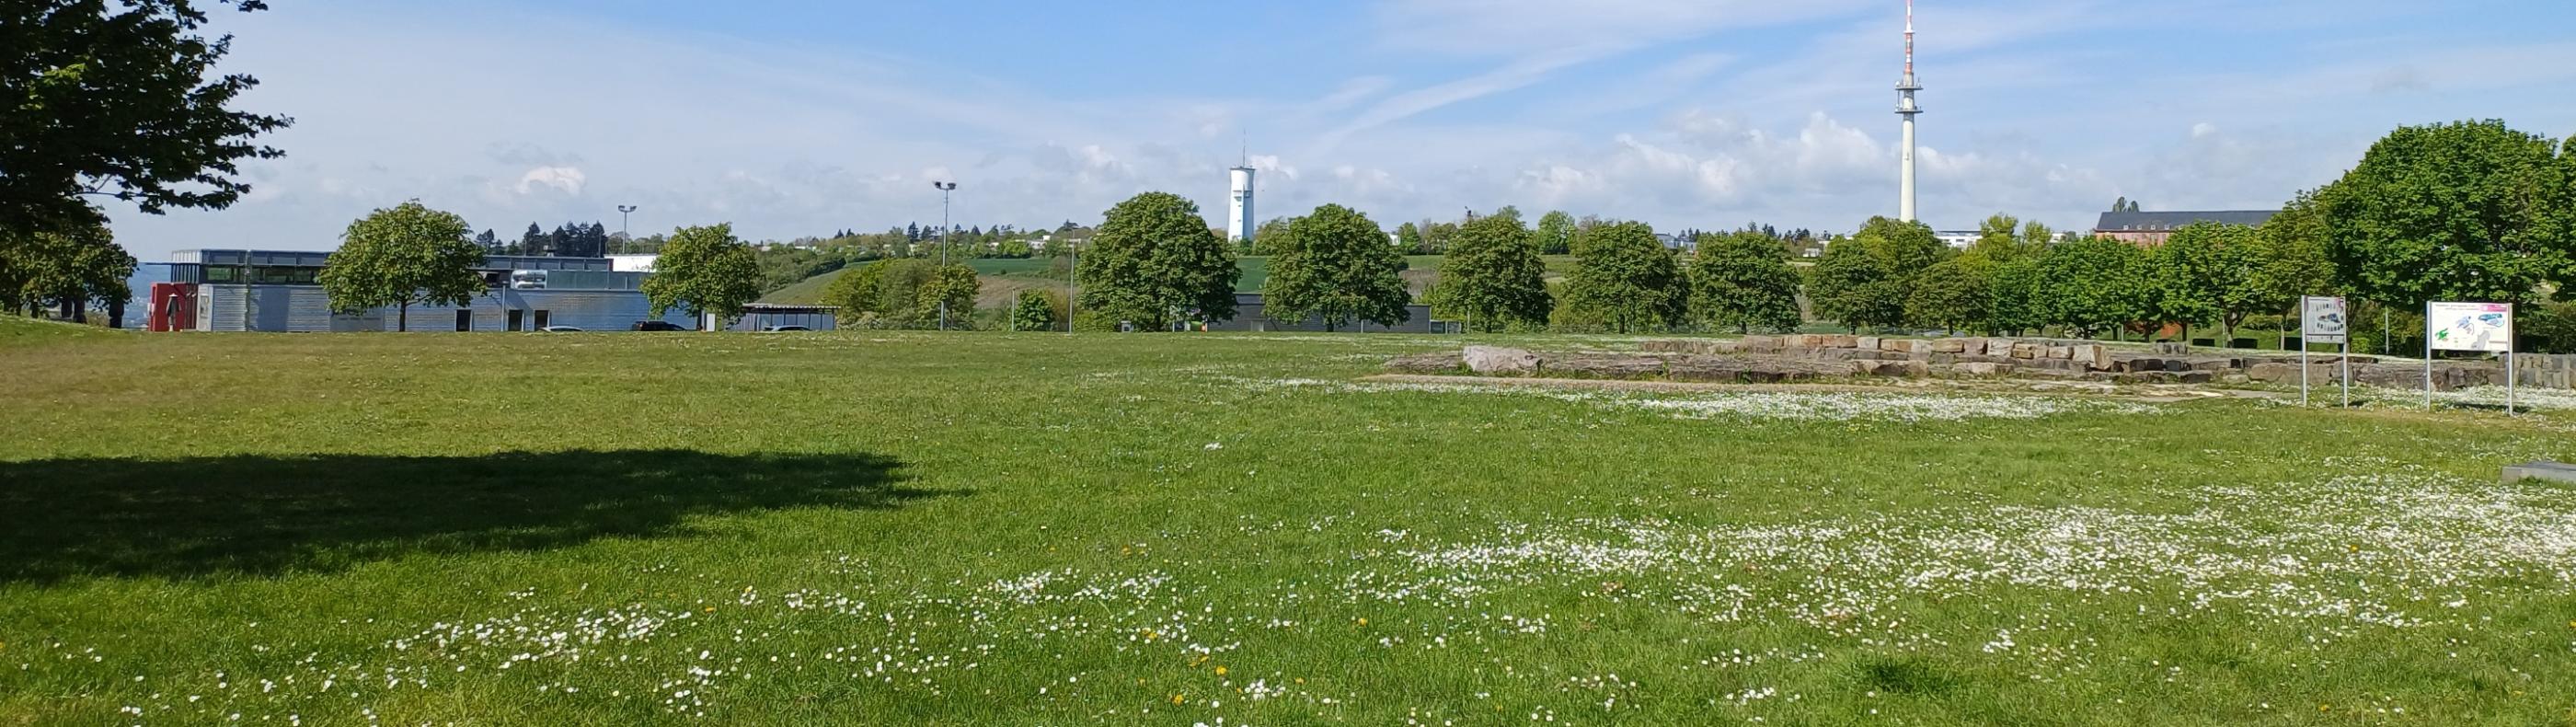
(955, 286)
(2094, 285)
(1493, 276)
(2290, 257)
(68, 271)
(1336, 263)
(1851, 286)
(706, 270)
(1743, 281)
(2013, 290)
(1034, 312)
(1998, 231)
(1625, 279)
(113, 100)
(2459, 211)
(2206, 272)
(1903, 249)
(1271, 237)
(400, 256)
(532, 242)
(1953, 294)
(1153, 263)
(1408, 237)
(1555, 233)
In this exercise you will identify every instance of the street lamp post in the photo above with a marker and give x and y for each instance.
(622, 211)
(945, 230)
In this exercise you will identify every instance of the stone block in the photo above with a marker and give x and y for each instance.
(1980, 368)
(2551, 471)
(1950, 345)
(1897, 345)
(1606, 367)
(1837, 340)
(1869, 343)
(2061, 353)
(1892, 369)
(1706, 368)
(1426, 363)
(2272, 372)
(2194, 377)
(1499, 361)
(2025, 351)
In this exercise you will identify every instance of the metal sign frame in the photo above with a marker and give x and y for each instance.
(2433, 330)
(2325, 319)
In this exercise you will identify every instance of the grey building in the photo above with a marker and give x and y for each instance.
(279, 291)
(2153, 228)
(761, 316)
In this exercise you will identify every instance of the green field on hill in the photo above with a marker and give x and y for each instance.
(985, 528)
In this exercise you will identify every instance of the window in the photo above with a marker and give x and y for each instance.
(541, 318)
(510, 320)
(464, 320)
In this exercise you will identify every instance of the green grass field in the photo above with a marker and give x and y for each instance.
(916, 528)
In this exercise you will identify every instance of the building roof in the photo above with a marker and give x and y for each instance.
(2170, 221)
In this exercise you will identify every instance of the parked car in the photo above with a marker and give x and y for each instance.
(558, 329)
(785, 329)
(658, 326)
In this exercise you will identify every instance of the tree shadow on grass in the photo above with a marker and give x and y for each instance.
(263, 515)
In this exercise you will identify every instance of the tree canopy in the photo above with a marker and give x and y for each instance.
(2094, 285)
(1493, 276)
(114, 100)
(1154, 263)
(400, 256)
(71, 268)
(705, 270)
(1624, 279)
(1336, 263)
(2206, 272)
(1555, 235)
(1743, 281)
(1953, 294)
(2459, 211)
(1850, 285)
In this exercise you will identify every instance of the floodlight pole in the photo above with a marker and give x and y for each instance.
(622, 211)
(945, 231)
(1072, 282)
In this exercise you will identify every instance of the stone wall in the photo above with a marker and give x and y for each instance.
(1807, 357)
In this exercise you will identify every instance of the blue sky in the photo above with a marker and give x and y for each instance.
(791, 119)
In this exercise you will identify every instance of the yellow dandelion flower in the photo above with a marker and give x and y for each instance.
(1220, 671)
(1363, 622)
(1177, 699)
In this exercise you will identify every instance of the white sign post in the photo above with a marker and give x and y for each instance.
(2322, 320)
(2482, 327)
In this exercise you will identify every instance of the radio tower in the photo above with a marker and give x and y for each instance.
(1905, 108)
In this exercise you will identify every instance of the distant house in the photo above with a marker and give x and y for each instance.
(1958, 239)
(2149, 229)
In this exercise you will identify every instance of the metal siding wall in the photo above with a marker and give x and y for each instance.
(219, 307)
(589, 310)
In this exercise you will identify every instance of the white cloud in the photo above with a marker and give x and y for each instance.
(568, 180)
